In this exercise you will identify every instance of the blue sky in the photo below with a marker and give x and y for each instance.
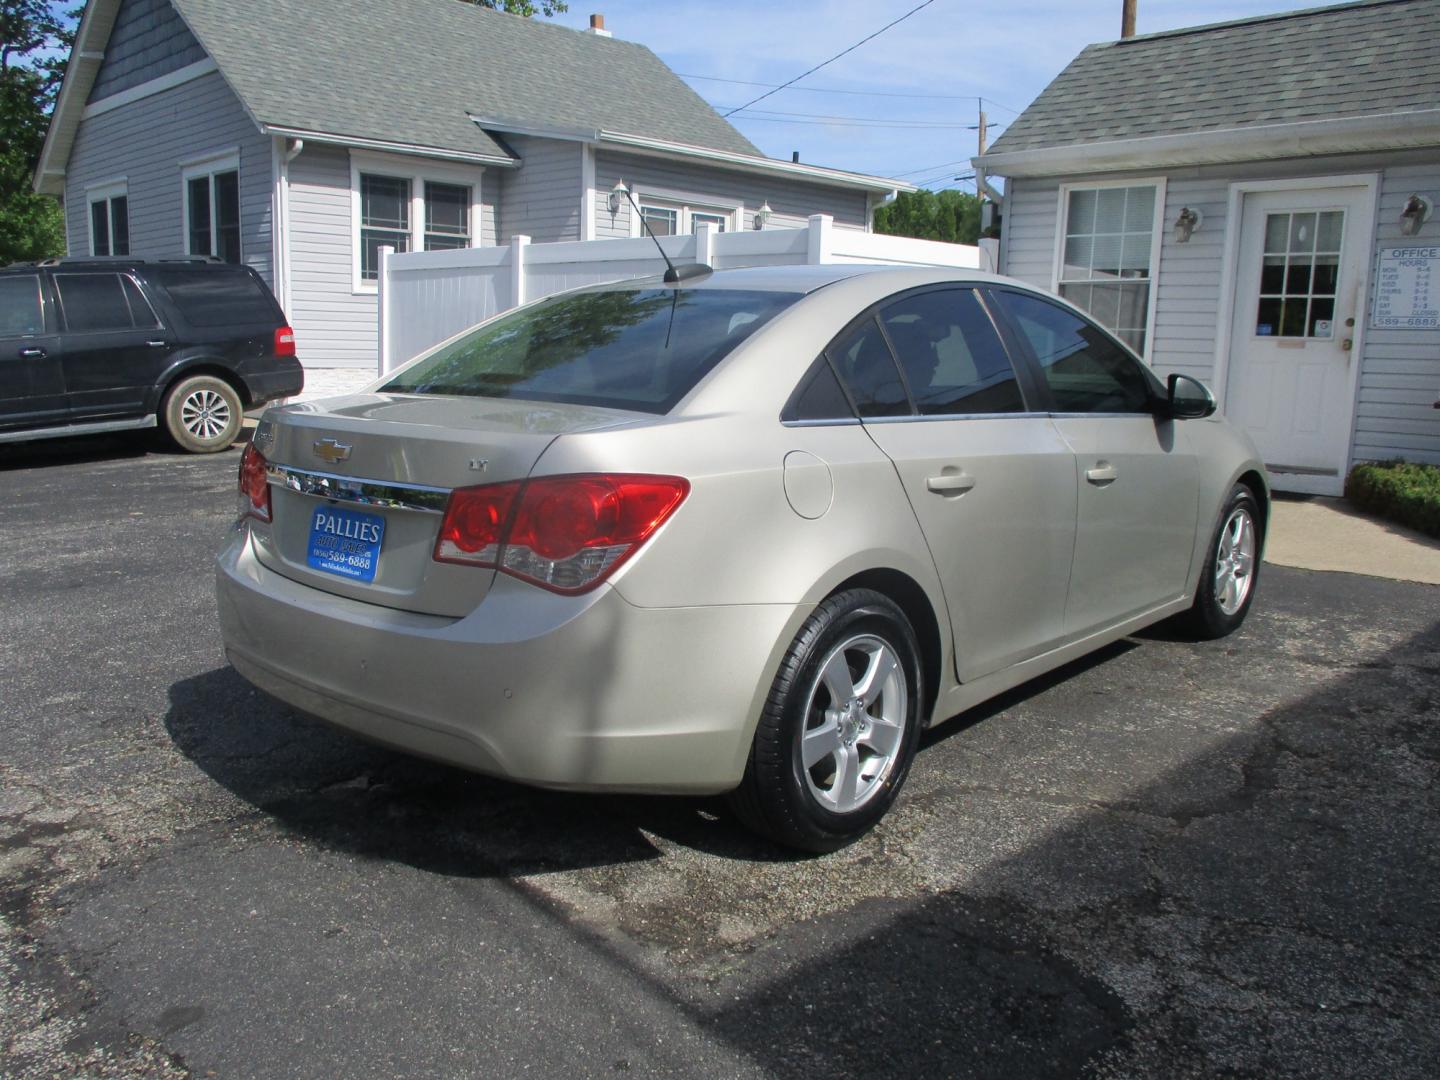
(952, 51)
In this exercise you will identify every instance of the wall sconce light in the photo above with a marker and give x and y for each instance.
(1414, 213)
(617, 194)
(762, 215)
(1186, 223)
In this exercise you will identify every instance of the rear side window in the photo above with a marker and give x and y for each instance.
(96, 302)
(866, 366)
(1083, 367)
(951, 354)
(20, 310)
(623, 348)
(219, 298)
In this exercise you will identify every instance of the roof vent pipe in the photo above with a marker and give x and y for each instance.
(597, 26)
(795, 156)
(1127, 18)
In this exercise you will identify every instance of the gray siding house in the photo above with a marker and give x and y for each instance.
(300, 138)
(1250, 203)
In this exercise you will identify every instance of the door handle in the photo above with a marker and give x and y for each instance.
(156, 344)
(1102, 473)
(32, 353)
(956, 483)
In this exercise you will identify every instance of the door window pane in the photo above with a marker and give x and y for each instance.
(20, 310)
(141, 313)
(447, 216)
(868, 370)
(1110, 239)
(384, 220)
(697, 219)
(951, 355)
(1299, 274)
(1085, 370)
(93, 302)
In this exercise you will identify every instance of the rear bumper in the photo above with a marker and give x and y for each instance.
(263, 386)
(580, 693)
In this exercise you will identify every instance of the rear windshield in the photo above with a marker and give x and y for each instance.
(219, 297)
(628, 348)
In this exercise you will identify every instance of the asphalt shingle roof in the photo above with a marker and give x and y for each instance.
(409, 71)
(1361, 59)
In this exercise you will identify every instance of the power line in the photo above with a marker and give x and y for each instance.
(837, 56)
(761, 116)
(837, 90)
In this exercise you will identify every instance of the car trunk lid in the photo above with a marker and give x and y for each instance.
(358, 486)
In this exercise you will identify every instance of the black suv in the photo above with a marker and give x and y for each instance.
(90, 345)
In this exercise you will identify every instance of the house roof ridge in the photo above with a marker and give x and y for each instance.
(1251, 20)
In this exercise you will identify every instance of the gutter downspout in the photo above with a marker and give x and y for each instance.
(282, 257)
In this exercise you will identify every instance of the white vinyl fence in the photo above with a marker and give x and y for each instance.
(428, 296)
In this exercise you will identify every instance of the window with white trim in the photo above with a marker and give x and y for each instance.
(109, 220)
(1107, 259)
(212, 208)
(433, 209)
(667, 218)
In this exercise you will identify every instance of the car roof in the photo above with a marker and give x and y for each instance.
(808, 278)
(120, 262)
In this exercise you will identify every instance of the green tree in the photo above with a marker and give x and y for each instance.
(951, 216)
(35, 37)
(547, 8)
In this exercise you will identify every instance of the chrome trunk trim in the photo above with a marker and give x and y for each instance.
(385, 494)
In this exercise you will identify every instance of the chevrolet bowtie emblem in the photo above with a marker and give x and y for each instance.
(331, 450)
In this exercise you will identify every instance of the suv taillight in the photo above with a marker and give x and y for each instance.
(564, 533)
(284, 341)
(254, 488)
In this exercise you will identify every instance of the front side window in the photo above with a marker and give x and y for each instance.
(212, 213)
(384, 219)
(1084, 369)
(620, 347)
(21, 313)
(93, 303)
(951, 354)
(110, 224)
(1109, 249)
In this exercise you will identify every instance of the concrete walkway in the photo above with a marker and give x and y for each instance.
(1314, 533)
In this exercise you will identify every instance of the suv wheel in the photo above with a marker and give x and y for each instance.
(203, 414)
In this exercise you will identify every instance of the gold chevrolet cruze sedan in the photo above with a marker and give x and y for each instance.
(750, 532)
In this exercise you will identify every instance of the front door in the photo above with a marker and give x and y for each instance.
(1297, 307)
(32, 388)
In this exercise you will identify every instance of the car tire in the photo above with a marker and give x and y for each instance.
(202, 414)
(839, 728)
(1231, 571)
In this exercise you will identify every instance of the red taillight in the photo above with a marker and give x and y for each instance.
(566, 533)
(284, 341)
(474, 524)
(254, 488)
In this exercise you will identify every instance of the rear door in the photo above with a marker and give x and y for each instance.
(115, 348)
(32, 388)
(992, 482)
(1136, 475)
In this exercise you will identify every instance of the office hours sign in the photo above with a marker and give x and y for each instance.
(1407, 296)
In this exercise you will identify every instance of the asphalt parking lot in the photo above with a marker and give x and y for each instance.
(1167, 860)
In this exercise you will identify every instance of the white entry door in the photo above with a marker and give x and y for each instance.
(1297, 309)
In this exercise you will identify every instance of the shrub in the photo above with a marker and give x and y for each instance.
(1403, 491)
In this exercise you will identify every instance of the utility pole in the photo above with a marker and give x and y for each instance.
(982, 186)
(1127, 18)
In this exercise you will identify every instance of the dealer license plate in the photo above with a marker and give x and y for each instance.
(345, 542)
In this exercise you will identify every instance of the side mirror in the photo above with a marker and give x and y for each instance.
(1188, 399)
